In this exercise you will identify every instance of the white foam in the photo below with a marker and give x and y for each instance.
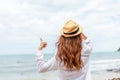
(105, 64)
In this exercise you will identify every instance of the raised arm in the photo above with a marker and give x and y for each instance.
(88, 45)
(41, 64)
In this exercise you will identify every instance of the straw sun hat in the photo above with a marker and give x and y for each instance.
(71, 29)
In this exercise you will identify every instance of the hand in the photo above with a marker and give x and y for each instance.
(83, 36)
(42, 44)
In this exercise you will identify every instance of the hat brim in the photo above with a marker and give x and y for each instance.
(71, 35)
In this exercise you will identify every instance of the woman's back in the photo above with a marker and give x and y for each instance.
(75, 74)
(72, 58)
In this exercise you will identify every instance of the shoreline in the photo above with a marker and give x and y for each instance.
(110, 74)
(106, 75)
(98, 76)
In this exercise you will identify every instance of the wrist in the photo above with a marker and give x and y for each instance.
(38, 53)
(39, 49)
(85, 37)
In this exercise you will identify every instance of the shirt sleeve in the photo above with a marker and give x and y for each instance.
(45, 66)
(87, 47)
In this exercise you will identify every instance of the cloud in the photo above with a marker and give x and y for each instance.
(2, 26)
(24, 21)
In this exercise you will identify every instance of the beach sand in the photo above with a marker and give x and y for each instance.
(102, 75)
(105, 75)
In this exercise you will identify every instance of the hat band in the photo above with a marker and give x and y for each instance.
(72, 32)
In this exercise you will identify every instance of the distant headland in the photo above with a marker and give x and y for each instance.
(118, 49)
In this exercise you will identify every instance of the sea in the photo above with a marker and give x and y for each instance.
(23, 67)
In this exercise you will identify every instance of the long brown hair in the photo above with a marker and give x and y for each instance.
(69, 52)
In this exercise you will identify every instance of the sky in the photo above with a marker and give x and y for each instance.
(23, 22)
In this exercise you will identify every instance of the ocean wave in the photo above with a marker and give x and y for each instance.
(18, 69)
(105, 61)
(16, 65)
(96, 65)
(105, 64)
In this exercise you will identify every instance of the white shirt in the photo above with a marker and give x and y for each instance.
(64, 74)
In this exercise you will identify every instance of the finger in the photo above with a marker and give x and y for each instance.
(82, 34)
(41, 40)
(44, 45)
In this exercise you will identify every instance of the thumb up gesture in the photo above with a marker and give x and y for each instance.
(43, 44)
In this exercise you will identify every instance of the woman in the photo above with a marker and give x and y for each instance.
(73, 52)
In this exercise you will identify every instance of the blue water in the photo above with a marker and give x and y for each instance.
(105, 55)
(24, 65)
(27, 62)
(19, 63)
